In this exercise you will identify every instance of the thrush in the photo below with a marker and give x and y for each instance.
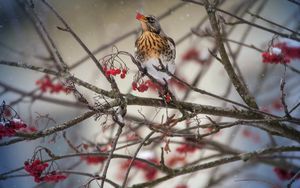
(154, 48)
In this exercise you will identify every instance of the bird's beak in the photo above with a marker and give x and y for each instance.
(140, 17)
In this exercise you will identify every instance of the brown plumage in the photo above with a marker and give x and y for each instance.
(151, 45)
(153, 42)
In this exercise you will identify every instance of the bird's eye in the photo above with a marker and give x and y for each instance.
(151, 20)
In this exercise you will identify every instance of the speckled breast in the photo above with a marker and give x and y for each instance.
(151, 45)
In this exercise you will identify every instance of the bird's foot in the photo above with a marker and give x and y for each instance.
(144, 71)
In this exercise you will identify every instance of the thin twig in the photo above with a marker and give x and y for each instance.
(226, 160)
(134, 157)
(283, 94)
(273, 23)
(241, 88)
(290, 36)
(293, 179)
(110, 155)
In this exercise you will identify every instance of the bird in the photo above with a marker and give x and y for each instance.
(154, 48)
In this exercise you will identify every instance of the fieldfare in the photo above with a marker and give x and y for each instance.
(154, 49)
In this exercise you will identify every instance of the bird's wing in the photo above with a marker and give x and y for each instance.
(171, 40)
(172, 47)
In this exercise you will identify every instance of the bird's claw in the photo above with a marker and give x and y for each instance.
(144, 71)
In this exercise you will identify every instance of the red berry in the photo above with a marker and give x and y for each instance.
(93, 159)
(107, 74)
(38, 82)
(142, 88)
(118, 71)
(104, 68)
(56, 88)
(145, 87)
(181, 186)
(134, 86)
(167, 98)
(113, 72)
(122, 75)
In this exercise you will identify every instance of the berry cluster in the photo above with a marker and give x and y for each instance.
(189, 147)
(191, 54)
(29, 129)
(54, 177)
(145, 85)
(149, 172)
(132, 136)
(291, 49)
(153, 86)
(46, 84)
(186, 148)
(173, 82)
(282, 52)
(254, 136)
(115, 71)
(182, 186)
(91, 160)
(36, 168)
(277, 105)
(140, 87)
(283, 174)
(167, 98)
(269, 57)
(177, 84)
(174, 160)
(9, 128)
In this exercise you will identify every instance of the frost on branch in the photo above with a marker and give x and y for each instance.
(10, 122)
(211, 87)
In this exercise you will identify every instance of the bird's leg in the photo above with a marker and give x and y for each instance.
(166, 84)
(165, 87)
(165, 68)
(144, 71)
(158, 68)
(161, 66)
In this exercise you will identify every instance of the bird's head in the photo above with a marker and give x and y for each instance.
(149, 23)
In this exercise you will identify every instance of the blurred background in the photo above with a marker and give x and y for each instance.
(104, 25)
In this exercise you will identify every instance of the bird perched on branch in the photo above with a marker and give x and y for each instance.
(154, 49)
